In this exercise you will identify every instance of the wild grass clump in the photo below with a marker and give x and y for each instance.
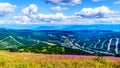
(30, 60)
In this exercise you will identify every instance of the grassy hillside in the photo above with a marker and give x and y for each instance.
(30, 60)
(48, 49)
(9, 42)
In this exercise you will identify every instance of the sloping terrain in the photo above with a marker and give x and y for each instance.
(31, 60)
(9, 42)
(49, 49)
(90, 41)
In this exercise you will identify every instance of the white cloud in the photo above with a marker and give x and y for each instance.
(65, 2)
(6, 8)
(58, 8)
(39, 18)
(51, 17)
(97, 0)
(2, 22)
(60, 18)
(86, 16)
(21, 19)
(74, 2)
(98, 12)
(117, 2)
(31, 9)
(30, 16)
(109, 20)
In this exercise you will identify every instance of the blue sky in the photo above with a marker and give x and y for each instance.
(59, 12)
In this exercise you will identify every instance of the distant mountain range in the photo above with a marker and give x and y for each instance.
(79, 27)
(114, 27)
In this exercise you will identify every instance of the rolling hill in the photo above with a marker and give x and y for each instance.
(103, 42)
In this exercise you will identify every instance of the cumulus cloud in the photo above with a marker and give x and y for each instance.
(62, 19)
(52, 17)
(2, 22)
(65, 2)
(31, 9)
(30, 16)
(117, 2)
(98, 12)
(39, 18)
(21, 19)
(58, 8)
(86, 16)
(6, 8)
(97, 0)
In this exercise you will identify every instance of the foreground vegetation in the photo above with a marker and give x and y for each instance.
(48, 49)
(31, 60)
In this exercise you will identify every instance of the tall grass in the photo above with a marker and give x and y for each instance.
(30, 60)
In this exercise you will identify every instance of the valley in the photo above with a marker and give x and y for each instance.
(91, 42)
